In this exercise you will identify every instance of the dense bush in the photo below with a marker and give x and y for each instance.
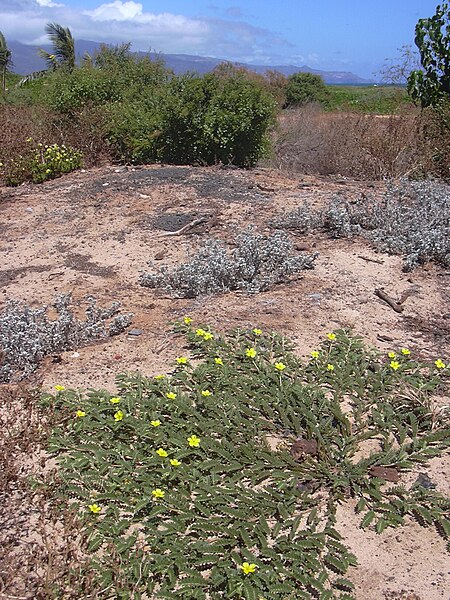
(209, 120)
(148, 114)
(254, 265)
(303, 88)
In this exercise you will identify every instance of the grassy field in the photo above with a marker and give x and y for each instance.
(382, 100)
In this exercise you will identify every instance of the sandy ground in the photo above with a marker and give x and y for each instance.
(94, 233)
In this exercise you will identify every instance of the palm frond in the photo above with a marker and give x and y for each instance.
(63, 44)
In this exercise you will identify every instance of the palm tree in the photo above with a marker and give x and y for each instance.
(5, 59)
(63, 48)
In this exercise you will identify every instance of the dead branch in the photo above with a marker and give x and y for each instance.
(392, 303)
(374, 260)
(186, 227)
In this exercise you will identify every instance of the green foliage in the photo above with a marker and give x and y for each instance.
(63, 55)
(183, 494)
(213, 119)
(118, 79)
(431, 85)
(41, 163)
(303, 88)
(378, 100)
(5, 60)
(150, 115)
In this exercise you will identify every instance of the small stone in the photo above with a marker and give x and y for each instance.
(29, 209)
(75, 355)
(424, 481)
(160, 255)
(301, 448)
(386, 473)
(135, 332)
(302, 247)
(117, 356)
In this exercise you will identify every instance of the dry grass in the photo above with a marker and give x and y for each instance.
(357, 145)
(22, 123)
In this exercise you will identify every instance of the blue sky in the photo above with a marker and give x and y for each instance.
(338, 35)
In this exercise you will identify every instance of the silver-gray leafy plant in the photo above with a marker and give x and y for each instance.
(412, 219)
(27, 334)
(256, 263)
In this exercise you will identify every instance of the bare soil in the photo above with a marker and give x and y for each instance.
(94, 233)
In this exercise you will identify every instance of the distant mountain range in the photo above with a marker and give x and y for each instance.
(26, 60)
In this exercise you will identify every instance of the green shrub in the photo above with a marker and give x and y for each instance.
(118, 77)
(131, 130)
(303, 88)
(223, 479)
(41, 163)
(210, 119)
(70, 92)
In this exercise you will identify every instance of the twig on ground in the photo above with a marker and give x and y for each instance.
(186, 227)
(374, 260)
(392, 303)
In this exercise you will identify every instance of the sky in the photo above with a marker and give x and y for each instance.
(331, 35)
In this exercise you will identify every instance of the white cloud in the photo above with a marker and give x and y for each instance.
(48, 3)
(127, 20)
(115, 11)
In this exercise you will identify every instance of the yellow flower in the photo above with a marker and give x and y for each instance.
(315, 354)
(208, 336)
(158, 377)
(194, 441)
(171, 395)
(29, 140)
(162, 452)
(118, 416)
(405, 351)
(331, 336)
(94, 508)
(158, 493)
(439, 364)
(394, 365)
(392, 355)
(174, 462)
(279, 366)
(80, 413)
(250, 352)
(200, 332)
(248, 568)
(206, 393)
(115, 400)
(59, 388)
(218, 361)
(181, 360)
(155, 423)
(187, 320)
(330, 367)
(257, 331)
